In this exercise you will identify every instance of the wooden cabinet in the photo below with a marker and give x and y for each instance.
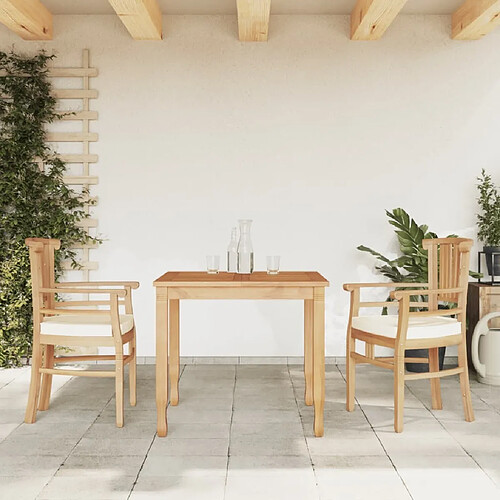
(481, 299)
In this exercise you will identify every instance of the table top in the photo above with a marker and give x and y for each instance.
(258, 278)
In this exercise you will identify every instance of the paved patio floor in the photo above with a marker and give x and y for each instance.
(243, 432)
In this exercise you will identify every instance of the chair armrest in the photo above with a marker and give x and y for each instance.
(399, 294)
(110, 291)
(349, 287)
(73, 284)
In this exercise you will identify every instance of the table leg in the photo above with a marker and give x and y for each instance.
(319, 359)
(161, 361)
(173, 355)
(308, 350)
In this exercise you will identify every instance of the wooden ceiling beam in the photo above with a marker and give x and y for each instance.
(30, 19)
(142, 18)
(474, 19)
(371, 18)
(253, 20)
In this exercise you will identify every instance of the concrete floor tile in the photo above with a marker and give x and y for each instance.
(83, 402)
(178, 414)
(445, 477)
(57, 416)
(73, 430)
(143, 403)
(364, 443)
(203, 404)
(490, 464)
(36, 445)
(199, 465)
(376, 484)
(189, 447)
(209, 430)
(32, 465)
(92, 465)
(179, 488)
(129, 430)
(108, 416)
(267, 446)
(265, 416)
(13, 403)
(112, 447)
(324, 464)
(262, 464)
(104, 485)
(268, 392)
(276, 486)
(259, 430)
(200, 392)
(12, 416)
(6, 429)
(25, 487)
(264, 403)
(400, 444)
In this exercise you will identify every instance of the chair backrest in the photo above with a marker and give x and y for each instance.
(449, 260)
(42, 271)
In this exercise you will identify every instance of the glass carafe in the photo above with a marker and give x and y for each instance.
(232, 252)
(245, 248)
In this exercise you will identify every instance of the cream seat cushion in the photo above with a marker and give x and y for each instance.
(429, 327)
(84, 325)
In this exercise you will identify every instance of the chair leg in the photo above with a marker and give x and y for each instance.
(48, 362)
(399, 391)
(437, 402)
(119, 390)
(350, 372)
(464, 382)
(34, 392)
(132, 373)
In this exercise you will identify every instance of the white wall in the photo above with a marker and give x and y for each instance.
(311, 135)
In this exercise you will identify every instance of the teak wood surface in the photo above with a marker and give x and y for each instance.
(115, 295)
(175, 286)
(447, 282)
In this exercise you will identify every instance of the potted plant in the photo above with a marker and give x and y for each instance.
(488, 221)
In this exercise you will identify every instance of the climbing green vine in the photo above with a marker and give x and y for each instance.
(34, 202)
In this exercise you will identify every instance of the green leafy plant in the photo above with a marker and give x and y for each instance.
(34, 200)
(488, 221)
(413, 265)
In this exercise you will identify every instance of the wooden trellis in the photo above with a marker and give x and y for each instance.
(80, 157)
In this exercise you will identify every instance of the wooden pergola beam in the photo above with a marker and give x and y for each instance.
(142, 18)
(253, 20)
(474, 19)
(30, 19)
(371, 18)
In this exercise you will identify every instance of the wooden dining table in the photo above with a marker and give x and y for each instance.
(173, 287)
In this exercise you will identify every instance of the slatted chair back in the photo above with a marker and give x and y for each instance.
(41, 251)
(448, 268)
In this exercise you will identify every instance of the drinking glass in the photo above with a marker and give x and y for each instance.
(213, 262)
(273, 264)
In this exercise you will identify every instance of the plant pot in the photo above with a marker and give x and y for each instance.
(422, 353)
(492, 262)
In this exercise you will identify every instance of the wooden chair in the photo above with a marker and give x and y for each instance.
(412, 329)
(79, 323)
